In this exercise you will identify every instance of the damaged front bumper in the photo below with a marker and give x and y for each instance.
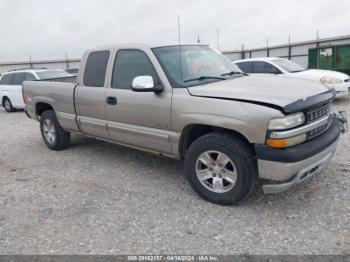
(286, 168)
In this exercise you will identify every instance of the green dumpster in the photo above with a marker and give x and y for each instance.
(335, 58)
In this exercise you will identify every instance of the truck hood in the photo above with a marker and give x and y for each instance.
(317, 74)
(275, 91)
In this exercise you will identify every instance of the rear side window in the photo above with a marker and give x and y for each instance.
(246, 67)
(130, 64)
(95, 69)
(19, 78)
(30, 77)
(7, 79)
(264, 68)
(52, 74)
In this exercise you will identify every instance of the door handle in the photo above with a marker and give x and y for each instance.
(111, 100)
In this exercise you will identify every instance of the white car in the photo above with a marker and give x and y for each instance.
(272, 65)
(11, 85)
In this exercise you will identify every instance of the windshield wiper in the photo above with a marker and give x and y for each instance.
(234, 73)
(202, 78)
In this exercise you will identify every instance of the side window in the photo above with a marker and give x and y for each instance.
(19, 78)
(246, 67)
(95, 69)
(7, 79)
(30, 77)
(265, 68)
(130, 64)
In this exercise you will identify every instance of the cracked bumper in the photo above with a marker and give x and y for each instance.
(286, 168)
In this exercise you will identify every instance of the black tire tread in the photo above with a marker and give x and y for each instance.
(12, 108)
(238, 147)
(62, 137)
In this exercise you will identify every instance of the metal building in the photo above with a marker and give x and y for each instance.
(297, 52)
(57, 64)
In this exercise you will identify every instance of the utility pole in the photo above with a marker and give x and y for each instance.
(67, 63)
(289, 48)
(30, 61)
(217, 39)
(267, 46)
(317, 38)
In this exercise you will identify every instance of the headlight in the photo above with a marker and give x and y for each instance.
(330, 80)
(287, 122)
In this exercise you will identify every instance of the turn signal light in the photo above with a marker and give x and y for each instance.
(277, 143)
(288, 142)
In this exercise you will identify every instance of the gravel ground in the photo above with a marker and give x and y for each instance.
(99, 198)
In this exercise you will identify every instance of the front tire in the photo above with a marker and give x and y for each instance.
(8, 105)
(221, 168)
(53, 134)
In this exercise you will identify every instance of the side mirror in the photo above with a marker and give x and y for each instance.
(144, 84)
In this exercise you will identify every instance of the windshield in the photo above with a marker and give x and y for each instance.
(199, 65)
(289, 66)
(51, 74)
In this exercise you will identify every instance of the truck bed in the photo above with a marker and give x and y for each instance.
(70, 79)
(58, 95)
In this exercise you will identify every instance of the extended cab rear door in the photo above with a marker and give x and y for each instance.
(90, 95)
(141, 119)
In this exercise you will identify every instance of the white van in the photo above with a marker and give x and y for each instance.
(11, 85)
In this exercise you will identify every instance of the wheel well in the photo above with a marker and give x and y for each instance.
(192, 132)
(41, 108)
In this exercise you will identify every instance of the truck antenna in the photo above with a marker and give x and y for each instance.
(180, 49)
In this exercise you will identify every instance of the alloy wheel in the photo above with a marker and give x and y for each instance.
(216, 171)
(7, 105)
(49, 131)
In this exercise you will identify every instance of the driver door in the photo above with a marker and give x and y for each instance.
(140, 119)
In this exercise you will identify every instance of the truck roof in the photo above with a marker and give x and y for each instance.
(138, 46)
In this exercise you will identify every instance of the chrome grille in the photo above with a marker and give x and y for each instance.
(314, 114)
(317, 131)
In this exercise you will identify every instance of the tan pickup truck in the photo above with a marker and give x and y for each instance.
(190, 102)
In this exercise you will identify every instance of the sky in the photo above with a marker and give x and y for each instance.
(50, 29)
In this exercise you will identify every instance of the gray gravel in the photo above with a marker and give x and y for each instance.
(99, 198)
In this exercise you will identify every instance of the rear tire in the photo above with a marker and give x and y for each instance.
(53, 134)
(6, 103)
(221, 168)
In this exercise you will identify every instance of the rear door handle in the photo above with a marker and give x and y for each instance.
(111, 100)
